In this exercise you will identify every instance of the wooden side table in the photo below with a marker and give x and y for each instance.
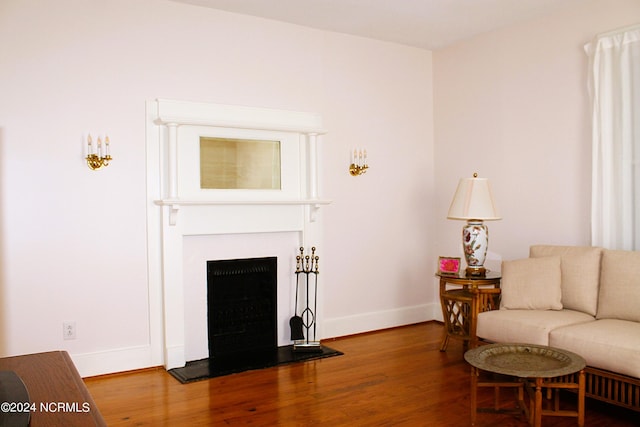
(462, 297)
(530, 368)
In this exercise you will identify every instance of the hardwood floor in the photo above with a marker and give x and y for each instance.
(392, 377)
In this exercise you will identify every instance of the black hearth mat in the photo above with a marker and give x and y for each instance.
(201, 370)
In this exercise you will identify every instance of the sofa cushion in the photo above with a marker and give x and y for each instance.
(620, 286)
(531, 283)
(609, 344)
(580, 267)
(526, 326)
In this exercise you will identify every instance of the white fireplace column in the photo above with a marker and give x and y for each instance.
(176, 209)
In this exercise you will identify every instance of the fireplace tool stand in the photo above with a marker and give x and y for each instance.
(307, 287)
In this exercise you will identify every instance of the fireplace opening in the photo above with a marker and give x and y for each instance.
(242, 312)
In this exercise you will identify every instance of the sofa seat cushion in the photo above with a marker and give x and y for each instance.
(580, 274)
(526, 326)
(609, 344)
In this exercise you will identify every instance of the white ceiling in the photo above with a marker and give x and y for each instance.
(428, 24)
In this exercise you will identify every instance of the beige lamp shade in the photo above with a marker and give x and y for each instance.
(473, 200)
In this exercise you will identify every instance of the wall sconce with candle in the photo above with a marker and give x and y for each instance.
(95, 160)
(358, 163)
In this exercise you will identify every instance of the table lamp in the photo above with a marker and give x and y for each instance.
(473, 202)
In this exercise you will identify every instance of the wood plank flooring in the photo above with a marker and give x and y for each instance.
(395, 377)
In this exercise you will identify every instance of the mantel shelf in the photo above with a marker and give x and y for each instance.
(175, 204)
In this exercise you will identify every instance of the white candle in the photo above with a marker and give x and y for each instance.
(365, 158)
(106, 146)
(89, 146)
(99, 147)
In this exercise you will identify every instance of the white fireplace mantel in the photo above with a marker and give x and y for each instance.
(176, 211)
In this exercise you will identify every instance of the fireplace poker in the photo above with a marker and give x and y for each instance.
(315, 299)
(295, 323)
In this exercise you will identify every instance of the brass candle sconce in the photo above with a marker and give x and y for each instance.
(358, 164)
(95, 160)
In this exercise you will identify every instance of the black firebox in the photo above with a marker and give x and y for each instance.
(242, 312)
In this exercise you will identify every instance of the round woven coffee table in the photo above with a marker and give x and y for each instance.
(531, 368)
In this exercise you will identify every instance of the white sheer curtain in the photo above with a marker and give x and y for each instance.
(614, 84)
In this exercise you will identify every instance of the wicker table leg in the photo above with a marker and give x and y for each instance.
(536, 413)
(474, 394)
(581, 392)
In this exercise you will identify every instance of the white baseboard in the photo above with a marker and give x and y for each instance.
(174, 357)
(132, 358)
(366, 322)
(108, 362)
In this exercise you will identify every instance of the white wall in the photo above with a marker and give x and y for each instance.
(513, 106)
(378, 230)
(73, 241)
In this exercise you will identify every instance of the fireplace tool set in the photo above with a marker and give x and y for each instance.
(307, 293)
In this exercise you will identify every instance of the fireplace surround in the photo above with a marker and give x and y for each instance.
(178, 209)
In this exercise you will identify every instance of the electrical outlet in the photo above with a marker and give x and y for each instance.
(69, 330)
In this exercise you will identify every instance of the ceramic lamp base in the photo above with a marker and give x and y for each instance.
(475, 241)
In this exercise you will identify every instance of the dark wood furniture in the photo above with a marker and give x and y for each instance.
(57, 394)
(462, 297)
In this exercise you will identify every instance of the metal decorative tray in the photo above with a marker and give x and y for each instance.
(525, 360)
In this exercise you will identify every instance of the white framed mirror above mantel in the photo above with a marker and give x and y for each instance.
(180, 205)
(187, 122)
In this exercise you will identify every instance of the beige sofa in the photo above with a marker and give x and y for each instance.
(582, 299)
